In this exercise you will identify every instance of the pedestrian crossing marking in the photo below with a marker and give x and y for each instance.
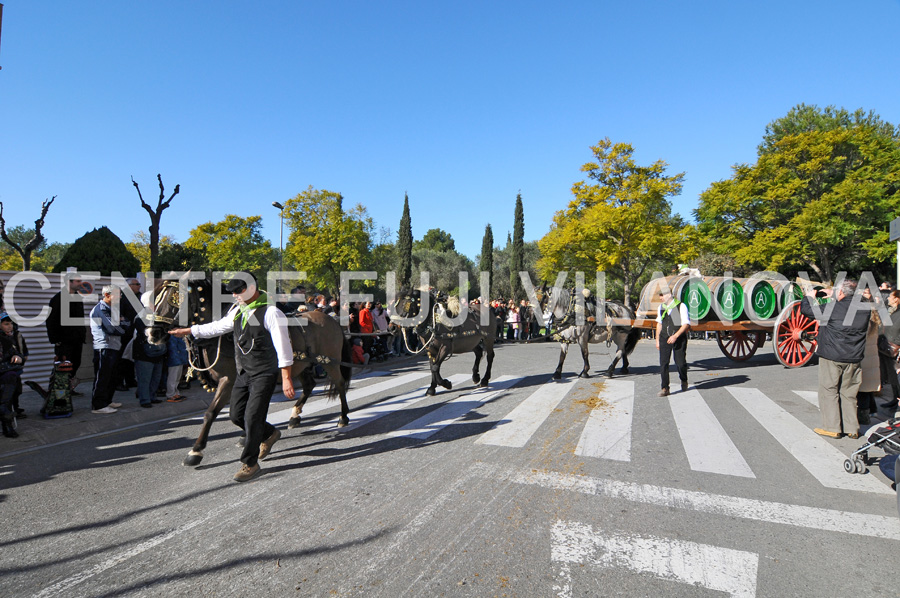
(733, 572)
(521, 423)
(819, 457)
(445, 415)
(705, 441)
(370, 414)
(607, 433)
(356, 394)
(809, 395)
(815, 518)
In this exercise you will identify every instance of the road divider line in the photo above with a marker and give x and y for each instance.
(707, 445)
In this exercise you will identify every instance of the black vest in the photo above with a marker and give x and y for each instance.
(672, 322)
(254, 351)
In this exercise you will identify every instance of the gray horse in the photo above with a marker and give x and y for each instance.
(581, 327)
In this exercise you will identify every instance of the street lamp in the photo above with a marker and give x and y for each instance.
(280, 241)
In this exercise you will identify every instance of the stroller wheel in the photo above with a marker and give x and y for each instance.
(860, 466)
(849, 466)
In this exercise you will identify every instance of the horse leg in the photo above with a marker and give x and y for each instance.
(585, 351)
(624, 369)
(563, 351)
(476, 377)
(339, 385)
(612, 366)
(223, 392)
(489, 350)
(307, 382)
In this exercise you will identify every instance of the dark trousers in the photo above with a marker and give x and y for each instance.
(250, 398)
(104, 377)
(125, 374)
(666, 351)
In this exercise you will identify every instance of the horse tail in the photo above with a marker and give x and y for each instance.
(631, 340)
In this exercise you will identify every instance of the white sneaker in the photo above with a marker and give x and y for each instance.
(115, 405)
(107, 409)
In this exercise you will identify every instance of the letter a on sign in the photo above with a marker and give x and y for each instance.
(695, 299)
(729, 299)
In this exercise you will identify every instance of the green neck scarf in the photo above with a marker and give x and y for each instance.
(246, 310)
(667, 308)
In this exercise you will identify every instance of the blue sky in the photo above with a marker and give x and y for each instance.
(461, 105)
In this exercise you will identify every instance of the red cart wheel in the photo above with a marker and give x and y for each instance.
(791, 346)
(739, 345)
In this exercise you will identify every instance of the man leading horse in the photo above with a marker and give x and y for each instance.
(262, 347)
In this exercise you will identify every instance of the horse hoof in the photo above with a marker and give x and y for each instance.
(430, 392)
(294, 422)
(584, 375)
(624, 371)
(447, 384)
(557, 375)
(484, 383)
(342, 422)
(193, 459)
(476, 378)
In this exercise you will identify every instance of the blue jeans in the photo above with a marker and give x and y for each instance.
(148, 375)
(888, 466)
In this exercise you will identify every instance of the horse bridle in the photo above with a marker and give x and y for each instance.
(174, 299)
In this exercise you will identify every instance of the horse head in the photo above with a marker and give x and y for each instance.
(407, 309)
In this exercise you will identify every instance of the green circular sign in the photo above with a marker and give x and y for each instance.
(760, 299)
(730, 299)
(790, 293)
(695, 294)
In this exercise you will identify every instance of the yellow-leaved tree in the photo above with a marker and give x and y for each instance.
(619, 222)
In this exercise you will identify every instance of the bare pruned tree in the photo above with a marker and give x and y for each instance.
(155, 215)
(25, 250)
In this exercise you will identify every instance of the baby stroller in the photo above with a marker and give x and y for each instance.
(886, 437)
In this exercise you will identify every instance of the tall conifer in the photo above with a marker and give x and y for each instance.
(486, 263)
(517, 259)
(404, 246)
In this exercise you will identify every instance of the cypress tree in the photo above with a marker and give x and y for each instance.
(517, 258)
(486, 263)
(100, 251)
(404, 245)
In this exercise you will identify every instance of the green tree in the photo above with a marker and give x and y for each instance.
(621, 223)
(234, 244)
(820, 196)
(325, 239)
(177, 257)
(404, 246)
(99, 251)
(443, 269)
(43, 257)
(517, 257)
(436, 240)
(139, 246)
(502, 272)
(486, 260)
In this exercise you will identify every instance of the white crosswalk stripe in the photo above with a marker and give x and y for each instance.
(607, 433)
(809, 395)
(516, 429)
(705, 441)
(819, 457)
(442, 417)
(370, 414)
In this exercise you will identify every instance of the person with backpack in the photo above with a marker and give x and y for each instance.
(148, 364)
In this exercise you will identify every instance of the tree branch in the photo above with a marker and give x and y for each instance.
(162, 205)
(5, 237)
(144, 204)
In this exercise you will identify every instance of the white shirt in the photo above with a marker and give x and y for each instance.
(274, 321)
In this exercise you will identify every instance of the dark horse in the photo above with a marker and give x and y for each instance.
(580, 327)
(441, 338)
(315, 338)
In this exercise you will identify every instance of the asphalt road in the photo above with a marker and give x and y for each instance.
(584, 487)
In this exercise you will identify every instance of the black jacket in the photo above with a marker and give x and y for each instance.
(57, 332)
(840, 340)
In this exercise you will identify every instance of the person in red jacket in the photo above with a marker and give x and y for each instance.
(366, 325)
